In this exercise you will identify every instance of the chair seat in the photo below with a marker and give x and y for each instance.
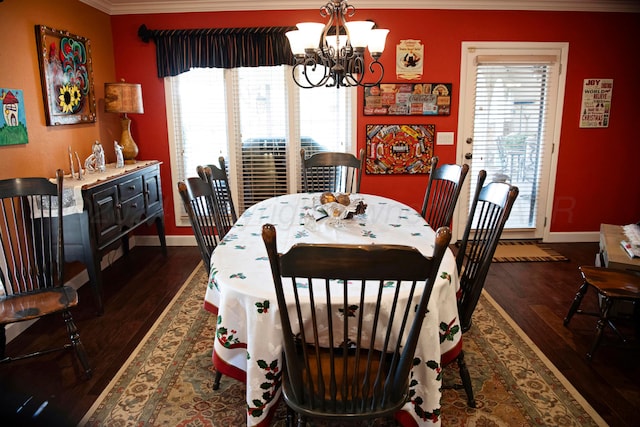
(36, 304)
(612, 283)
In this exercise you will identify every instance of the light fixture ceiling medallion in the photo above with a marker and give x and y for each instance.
(333, 54)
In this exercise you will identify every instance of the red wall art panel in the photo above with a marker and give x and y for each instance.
(399, 149)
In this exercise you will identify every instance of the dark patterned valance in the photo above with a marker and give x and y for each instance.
(178, 51)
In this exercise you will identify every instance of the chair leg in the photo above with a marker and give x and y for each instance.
(576, 302)
(216, 380)
(602, 322)
(3, 341)
(72, 331)
(466, 380)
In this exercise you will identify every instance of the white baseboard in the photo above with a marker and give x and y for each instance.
(152, 240)
(577, 237)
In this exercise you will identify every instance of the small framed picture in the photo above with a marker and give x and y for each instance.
(66, 74)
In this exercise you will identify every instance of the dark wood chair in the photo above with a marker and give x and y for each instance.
(224, 210)
(198, 200)
(332, 171)
(32, 261)
(611, 286)
(489, 212)
(443, 190)
(334, 371)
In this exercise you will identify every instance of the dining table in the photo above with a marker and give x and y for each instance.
(240, 292)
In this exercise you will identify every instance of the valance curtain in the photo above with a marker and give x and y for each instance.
(178, 51)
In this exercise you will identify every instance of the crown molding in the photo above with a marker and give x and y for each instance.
(128, 7)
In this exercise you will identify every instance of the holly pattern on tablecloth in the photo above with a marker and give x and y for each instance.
(272, 383)
(416, 400)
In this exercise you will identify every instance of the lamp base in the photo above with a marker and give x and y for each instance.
(129, 147)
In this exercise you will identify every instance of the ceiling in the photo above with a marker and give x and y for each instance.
(126, 7)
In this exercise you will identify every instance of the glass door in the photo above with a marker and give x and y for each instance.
(509, 126)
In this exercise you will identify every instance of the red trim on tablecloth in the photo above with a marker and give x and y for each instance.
(210, 308)
(227, 369)
(450, 355)
(405, 419)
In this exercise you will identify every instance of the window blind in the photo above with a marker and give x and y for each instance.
(510, 118)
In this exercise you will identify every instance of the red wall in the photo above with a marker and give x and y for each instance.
(596, 177)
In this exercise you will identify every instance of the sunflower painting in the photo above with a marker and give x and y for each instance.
(67, 77)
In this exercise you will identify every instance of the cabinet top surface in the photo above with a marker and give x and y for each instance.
(610, 237)
(72, 193)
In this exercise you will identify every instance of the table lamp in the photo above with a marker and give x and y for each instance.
(124, 98)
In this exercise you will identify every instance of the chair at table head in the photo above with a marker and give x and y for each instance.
(197, 199)
(489, 212)
(332, 171)
(225, 211)
(32, 260)
(334, 370)
(441, 196)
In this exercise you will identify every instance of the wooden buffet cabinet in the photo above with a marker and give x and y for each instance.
(112, 206)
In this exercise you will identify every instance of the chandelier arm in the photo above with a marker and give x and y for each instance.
(372, 66)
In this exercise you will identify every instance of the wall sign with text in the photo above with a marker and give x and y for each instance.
(596, 103)
(408, 99)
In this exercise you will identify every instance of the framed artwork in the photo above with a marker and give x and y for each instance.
(66, 74)
(408, 99)
(399, 149)
(13, 122)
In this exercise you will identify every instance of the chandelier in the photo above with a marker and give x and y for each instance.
(333, 54)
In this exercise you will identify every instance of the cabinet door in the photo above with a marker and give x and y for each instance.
(153, 192)
(105, 218)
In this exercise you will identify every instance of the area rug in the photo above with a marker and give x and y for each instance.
(525, 251)
(167, 380)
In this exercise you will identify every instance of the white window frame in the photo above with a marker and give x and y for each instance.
(293, 159)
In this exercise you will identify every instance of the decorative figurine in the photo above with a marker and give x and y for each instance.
(119, 155)
(95, 162)
(98, 151)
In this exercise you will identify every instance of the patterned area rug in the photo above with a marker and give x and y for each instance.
(167, 380)
(525, 251)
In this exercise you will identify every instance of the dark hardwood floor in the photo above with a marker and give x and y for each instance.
(139, 286)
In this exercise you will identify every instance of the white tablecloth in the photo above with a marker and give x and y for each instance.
(248, 343)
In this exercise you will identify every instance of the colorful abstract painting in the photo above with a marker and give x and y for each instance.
(13, 122)
(399, 149)
(67, 77)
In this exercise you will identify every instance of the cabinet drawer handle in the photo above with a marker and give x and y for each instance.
(132, 187)
(134, 205)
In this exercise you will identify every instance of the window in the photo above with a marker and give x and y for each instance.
(258, 119)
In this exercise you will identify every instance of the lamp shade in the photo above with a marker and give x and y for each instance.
(123, 97)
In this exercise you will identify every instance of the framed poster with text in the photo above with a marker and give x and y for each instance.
(408, 99)
(399, 149)
(596, 103)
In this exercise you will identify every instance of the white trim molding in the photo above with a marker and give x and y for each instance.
(128, 7)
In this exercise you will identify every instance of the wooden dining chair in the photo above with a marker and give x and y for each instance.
(490, 210)
(611, 286)
(32, 261)
(335, 370)
(336, 172)
(224, 210)
(198, 200)
(443, 190)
